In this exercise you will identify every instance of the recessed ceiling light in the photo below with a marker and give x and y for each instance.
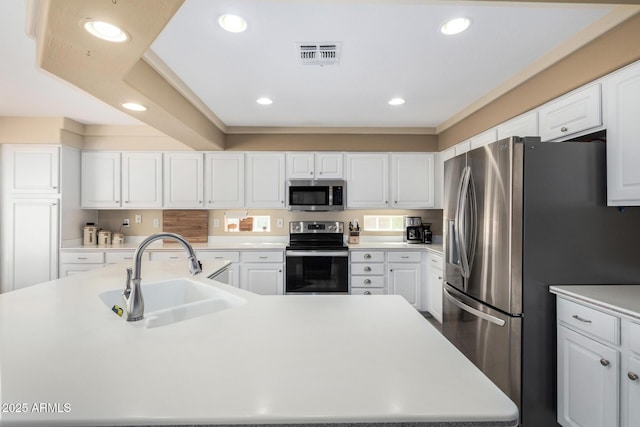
(106, 31)
(396, 101)
(264, 101)
(233, 23)
(134, 106)
(455, 26)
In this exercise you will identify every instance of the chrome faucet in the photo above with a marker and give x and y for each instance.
(134, 302)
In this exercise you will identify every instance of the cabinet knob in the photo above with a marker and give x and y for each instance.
(279, 271)
(391, 270)
(367, 268)
(604, 362)
(395, 201)
(126, 201)
(563, 129)
(439, 278)
(367, 281)
(632, 376)
(310, 173)
(367, 293)
(367, 256)
(320, 172)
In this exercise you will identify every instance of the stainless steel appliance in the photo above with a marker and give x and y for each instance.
(316, 194)
(415, 234)
(316, 259)
(521, 215)
(410, 221)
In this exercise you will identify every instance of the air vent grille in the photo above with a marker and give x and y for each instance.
(310, 53)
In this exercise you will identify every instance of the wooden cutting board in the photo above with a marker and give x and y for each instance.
(191, 224)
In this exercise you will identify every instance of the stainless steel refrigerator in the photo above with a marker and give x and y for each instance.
(521, 215)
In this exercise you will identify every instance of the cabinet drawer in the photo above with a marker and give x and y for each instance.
(367, 291)
(218, 256)
(367, 256)
(251, 256)
(116, 257)
(367, 269)
(168, 256)
(587, 319)
(82, 257)
(435, 262)
(367, 281)
(634, 337)
(393, 256)
(572, 114)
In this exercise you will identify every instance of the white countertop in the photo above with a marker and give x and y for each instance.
(621, 299)
(433, 247)
(275, 359)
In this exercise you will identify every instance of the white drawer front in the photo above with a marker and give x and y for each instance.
(634, 337)
(256, 256)
(393, 256)
(367, 281)
(116, 257)
(587, 319)
(82, 257)
(375, 269)
(218, 256)
(168, 256)
(367, 256)
(435, 262)
(367, 291)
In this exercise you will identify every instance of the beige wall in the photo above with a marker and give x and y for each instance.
(616, 48)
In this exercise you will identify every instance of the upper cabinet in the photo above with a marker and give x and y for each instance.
(523, 125)
(184, 180)
(569, 115)
(265, 180)
(100, 172)
(141, 180)
(32, 169)
(623, 136)
(485, 138)
(367, 180)
(224, 180)
(412, 181)
(306, 165)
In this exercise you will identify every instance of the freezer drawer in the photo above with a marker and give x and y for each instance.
(489, 338)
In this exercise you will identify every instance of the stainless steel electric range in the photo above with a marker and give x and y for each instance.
(317, 260)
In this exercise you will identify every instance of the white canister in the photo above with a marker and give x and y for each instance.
(89, 235)
(117, 238)
(104, 237)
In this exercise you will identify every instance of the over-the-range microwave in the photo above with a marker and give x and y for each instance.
(316, 194)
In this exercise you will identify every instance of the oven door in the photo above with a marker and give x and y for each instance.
(317, 272)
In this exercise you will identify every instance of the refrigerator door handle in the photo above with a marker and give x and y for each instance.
(473, 221)
(471, 310)
(461, 222)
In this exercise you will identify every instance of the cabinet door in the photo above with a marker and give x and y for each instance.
(30, 252)
(484, 138)
(623, 130)
(524, 125)
(632, 395)
(300, 166)
(404, 279)
(184, 180)
(32, 169)
(588, 381)
(412, 181)
(367, 180)
(571, 114)
(329, 166)
(100, 179)
(265, 180)
(224, 180)
(141, 180)
(434, 286)
(262, 278)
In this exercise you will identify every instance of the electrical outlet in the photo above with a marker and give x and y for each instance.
(125, 222)
(279, 223)
(156, 223)
(216, 223)
(138, 219)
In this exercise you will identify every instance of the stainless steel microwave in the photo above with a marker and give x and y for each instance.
(316, 194)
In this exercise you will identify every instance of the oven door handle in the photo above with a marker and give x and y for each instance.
(317, 253)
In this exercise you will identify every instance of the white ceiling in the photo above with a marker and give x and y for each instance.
(389, 48)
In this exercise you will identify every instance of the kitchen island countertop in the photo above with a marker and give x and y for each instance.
(620, 299)
(272, 360)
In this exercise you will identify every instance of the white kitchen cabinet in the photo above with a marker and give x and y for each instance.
(434, 286)
(524, 125)
(32, 169)
(405, 275)
(631, 381)
(100, 179)
(76, 262)
(265, 180)
(412, 181)
(484, 138)
(262, 278)
(623, 129)
(367, 180)
(569, 115)
(224, 180)
(304, 165)
(30, 235)
(141, 180)
(367, 273)
(462, 147)
(234, 267)
(184, 180)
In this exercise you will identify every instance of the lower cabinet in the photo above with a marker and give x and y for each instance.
(405, 275)
(234, 269)
(367, 272)
(262, 272)
(434, 286)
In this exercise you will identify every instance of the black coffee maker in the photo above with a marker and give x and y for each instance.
(427, 235)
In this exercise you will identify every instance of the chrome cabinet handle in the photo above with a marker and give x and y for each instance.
(367, 256)
(367, 281)
(82, 257)
(367, 293)
(604, 362)
(563, 129)
(632, 376)
(580, 319)
(404, 257)
(367, 268)
(439, 277)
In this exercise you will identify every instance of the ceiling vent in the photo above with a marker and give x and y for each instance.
(310, 53)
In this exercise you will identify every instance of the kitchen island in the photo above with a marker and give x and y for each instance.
(67, 359)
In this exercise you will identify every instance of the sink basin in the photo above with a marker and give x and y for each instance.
(175, 300)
